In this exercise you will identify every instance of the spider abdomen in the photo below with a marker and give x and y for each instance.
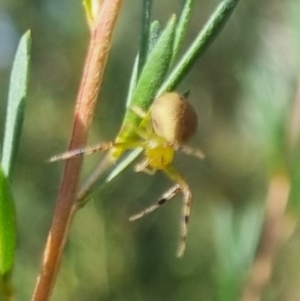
(174, 118)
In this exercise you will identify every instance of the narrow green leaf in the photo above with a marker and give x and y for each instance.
(182, 24)
(154, 35)
(103, 173)
(132, 82)
(16, 103)
(156, 68)
(123, 164)
(7, 227)
(146, 19)
(91, 8)
(151, 78)
(87, 4)
(206, 36)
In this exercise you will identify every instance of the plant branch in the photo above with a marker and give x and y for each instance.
(261, 271)
(294, 125)
(100, 42)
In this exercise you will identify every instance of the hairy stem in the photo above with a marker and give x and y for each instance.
(100, 42)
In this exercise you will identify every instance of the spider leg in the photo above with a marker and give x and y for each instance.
(144, 167)
(146, 116)
(191, 151)
(186, 206)
(167, 196)
(140, 131)
(96, 148)
(186, 211)
(138, 111)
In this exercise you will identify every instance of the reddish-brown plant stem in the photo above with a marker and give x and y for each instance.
(101, 35)
(261, 271)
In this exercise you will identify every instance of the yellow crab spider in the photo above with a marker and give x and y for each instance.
(169, 126)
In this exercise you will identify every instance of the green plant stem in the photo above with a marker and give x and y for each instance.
(100, 42)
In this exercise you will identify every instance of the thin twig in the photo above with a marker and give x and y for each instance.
(277, 198)
(294, 125)
(100, 42)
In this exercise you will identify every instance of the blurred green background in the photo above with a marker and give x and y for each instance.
(242, 88)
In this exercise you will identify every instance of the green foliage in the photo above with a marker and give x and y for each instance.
(145, 32)
(152, 81)
(7, 226)
(158, 63)
(203, 40)
(91, 8)
(87, 4)
(294, 168)
(13, 127)
(236, 238)
(182, 24)
(243, 94)
(16, 104)
(151, 77)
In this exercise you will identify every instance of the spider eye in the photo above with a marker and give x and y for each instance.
(174, 118)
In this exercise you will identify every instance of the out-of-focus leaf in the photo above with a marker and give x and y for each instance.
(236, 241)
(7, 226)
(16, 103)
(294, 200)
(205, 37)
(266, 106)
